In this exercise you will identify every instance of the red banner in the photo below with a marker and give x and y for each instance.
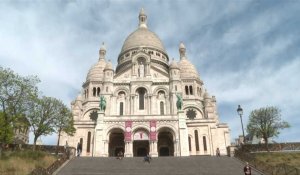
(153, 130)
(128, 126)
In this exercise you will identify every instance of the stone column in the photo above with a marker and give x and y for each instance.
(153, 149)
(183, 134)
(128, 149)
(99, 129)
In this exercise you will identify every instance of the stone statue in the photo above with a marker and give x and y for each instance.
(141, 69)
(102, 104)
(179, 102)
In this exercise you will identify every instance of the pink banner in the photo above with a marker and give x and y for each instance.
(128, 126)
(152, 130)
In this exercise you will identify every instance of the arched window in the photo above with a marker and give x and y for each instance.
(141, 93)
(191, 90)
(190, 144)
(94, 92)
(175, 87)
(196, 140)
(186, 90)
(204, 143)
(98, 91)
(88, 144)
(121, 108)
(162, 111)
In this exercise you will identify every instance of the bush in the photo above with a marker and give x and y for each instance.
(29, 154)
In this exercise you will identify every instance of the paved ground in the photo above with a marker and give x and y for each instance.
(204, 165)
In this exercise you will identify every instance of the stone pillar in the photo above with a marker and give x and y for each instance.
(183, 134)
(99, 136)
(153, 148)
(128, 149)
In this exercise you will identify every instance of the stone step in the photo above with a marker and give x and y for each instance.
(204, 165)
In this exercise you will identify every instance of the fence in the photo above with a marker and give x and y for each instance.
(281, 169)
(69, 153)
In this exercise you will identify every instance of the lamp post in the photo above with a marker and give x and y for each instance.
(240, 113)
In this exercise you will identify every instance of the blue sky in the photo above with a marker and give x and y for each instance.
(246, 51)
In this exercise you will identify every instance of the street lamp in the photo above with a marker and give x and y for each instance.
(240, 112)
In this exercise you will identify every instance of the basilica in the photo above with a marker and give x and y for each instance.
(142, 115)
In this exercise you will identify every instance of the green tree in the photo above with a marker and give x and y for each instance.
(64, 123)
(42, 116)
(266, 123)
(15, 90)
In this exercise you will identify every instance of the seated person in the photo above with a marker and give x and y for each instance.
(147, 158)
(120, 155)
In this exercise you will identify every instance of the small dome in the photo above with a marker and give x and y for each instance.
(174, 65)
(206, 95)
(109, 66)
(181, 46)
(96, 71)
(142, 37)
(187, 69)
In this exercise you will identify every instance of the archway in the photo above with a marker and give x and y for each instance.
(116, 142)
(165, 144)
(140, 143)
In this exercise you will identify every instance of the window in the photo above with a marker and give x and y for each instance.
(196, 140)
(94, 92)
(204, 143)
(106, 89)
(88, 144)
(190, 144)
(191, 90)
(121, 108)
(98, 91)
(175, 87)
(162, 108)
(191, 114)
(186, 90)
(141, 93)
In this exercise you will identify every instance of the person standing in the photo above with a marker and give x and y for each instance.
(247, 169)
(218, 152)
(79, 149)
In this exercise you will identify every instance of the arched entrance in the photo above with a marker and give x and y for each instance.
(165, 145)
(116, 142)
(140, 143)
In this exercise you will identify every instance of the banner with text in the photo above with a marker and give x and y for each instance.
(128, 126)
(153, 130)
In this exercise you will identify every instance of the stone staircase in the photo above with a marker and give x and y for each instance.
(198, 165)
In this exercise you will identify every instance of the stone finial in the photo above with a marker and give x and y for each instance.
(102, 52)
(142, 19)
(182, 50)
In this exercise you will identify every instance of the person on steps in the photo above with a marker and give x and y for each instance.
(247, 169)
(147, 158)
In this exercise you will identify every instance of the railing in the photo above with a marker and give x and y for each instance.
(281, 169)
(69, 153)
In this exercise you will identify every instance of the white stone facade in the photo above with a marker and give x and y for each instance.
(142, 90)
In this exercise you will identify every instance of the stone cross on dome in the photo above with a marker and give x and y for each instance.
(182, 50)
(142, 19)
(102, 51)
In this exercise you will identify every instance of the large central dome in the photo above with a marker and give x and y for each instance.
(142, 37)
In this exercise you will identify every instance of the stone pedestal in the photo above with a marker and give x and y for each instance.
(183, 134)
(100, 143)
(153, 149)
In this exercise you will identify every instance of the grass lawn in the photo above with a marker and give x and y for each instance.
(289, 158)
(23, 162)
